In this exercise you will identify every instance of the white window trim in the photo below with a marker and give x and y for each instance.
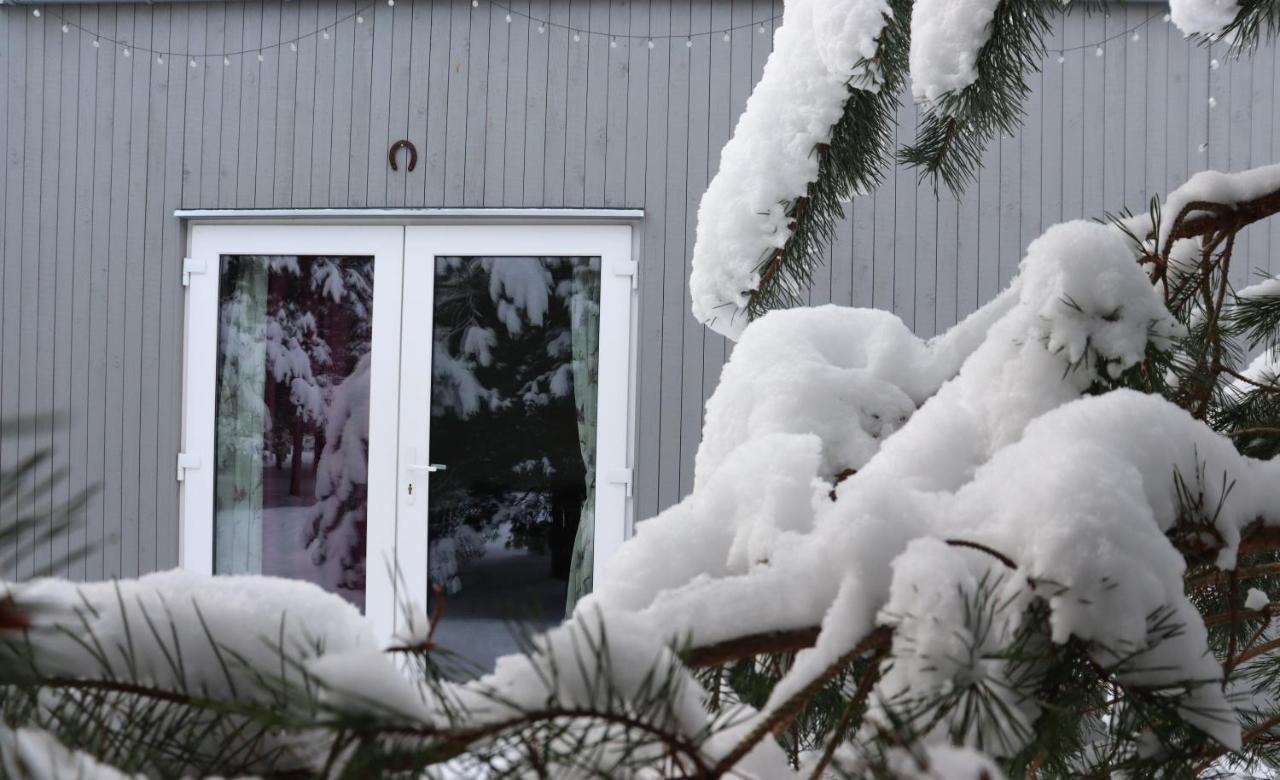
(402, 255)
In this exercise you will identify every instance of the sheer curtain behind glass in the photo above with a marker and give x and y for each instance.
(241, 416)
(584, 314)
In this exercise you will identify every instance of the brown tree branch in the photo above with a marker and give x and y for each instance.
(1220, 217)
(787, 710)
(1247, 573)
(751, 645)
(854, 707)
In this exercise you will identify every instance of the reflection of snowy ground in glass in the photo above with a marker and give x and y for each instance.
(501, 587)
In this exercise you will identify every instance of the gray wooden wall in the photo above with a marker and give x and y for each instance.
(99, 149)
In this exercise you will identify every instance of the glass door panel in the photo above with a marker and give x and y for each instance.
(291, 387)
(514, 383)
(291, 449)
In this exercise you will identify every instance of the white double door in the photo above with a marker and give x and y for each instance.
(392, 411)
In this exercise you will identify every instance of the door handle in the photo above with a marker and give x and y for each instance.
(418, 468)
(430, 468)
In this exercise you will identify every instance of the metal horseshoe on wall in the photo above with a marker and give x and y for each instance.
(396, 147)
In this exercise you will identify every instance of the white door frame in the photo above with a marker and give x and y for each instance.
(397, 271)
(612, 244)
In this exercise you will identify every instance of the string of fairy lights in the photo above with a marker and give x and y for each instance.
(576, 33)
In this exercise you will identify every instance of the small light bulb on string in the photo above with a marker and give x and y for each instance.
(576, 37)
(66, 28)
(475, 3)
(35, 12)
(1214, 64)
(325, 35)
(727, 36)
(127, 52)
(1136, 36)
(226, 62)
(391, 3)
(159, 59)
(1097, 52)
(613, 43)
(96, 43)
(761, 30)
(193, 63)
(1061, 58)
(508, 18)
(542, 28)
(1167, 18)
(688, 43)
(649, 43)
(359, 19)
(293, 46)
(1203, 146)
(1213, 101)
(260, 57)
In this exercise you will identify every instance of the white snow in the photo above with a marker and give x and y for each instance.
(1217, 187)
(249, 616)
(935, 656)
(34, 754)
(821, 51)
(1202, 17)
(1256, 599)
(946, 36)
(852, 376)
(1010, 453)
(521, 287)
(1264, 289)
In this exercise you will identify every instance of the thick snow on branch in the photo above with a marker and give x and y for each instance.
(946, 36)
(1010, 454)
(1203, 17)
(1227, 189)
(104, 630)
(820, 52)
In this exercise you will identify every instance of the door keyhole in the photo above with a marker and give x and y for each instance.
(410, 488)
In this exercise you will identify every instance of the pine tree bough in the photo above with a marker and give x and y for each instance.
(794, 157)
(817, 126)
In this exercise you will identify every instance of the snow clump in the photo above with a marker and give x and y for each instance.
(946, 36)
(822, 50)
(1203, 17)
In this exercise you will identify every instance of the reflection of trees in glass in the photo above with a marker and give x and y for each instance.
(503, 416)
(305, 323)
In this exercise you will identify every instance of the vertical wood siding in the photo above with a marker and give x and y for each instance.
(99, 149)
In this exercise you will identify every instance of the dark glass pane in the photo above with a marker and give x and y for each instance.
(292, 420)
(513, 402)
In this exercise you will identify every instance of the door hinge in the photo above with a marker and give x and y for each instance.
(187, 462)
(618, 477)
(629, 268)
(191, 265)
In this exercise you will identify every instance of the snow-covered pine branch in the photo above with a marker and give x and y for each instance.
(819, 126)
(829, 83)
